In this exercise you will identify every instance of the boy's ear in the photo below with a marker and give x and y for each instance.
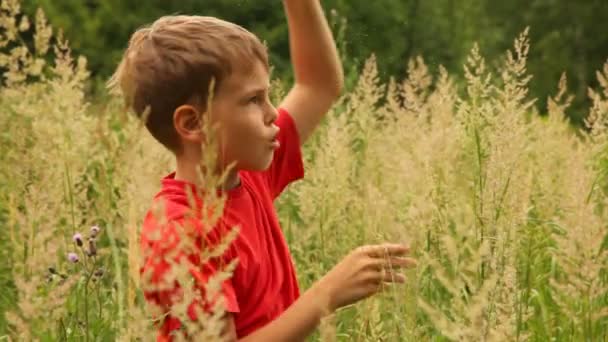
(187, 123)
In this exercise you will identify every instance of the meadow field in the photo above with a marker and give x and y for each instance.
(504, 203)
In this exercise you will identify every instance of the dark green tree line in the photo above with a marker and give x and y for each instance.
(566, 36)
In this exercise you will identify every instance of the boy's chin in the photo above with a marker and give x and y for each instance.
(264, 166)
(258, 166)
(266, 163)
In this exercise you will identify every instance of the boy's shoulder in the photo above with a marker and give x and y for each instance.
(173, 204)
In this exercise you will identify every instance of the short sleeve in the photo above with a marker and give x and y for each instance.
(287, 165)
(162, 254)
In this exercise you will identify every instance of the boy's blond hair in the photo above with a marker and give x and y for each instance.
(172, 63)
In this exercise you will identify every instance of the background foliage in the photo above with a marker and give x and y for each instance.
(566, 35)
(507, 211)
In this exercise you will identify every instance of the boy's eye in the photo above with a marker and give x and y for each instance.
(255, 99)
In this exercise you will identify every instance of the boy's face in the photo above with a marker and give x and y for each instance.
(247, 133)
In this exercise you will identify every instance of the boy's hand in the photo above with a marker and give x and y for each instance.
(363, 272)
(359, 275)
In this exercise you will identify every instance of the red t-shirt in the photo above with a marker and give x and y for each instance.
(264, 282)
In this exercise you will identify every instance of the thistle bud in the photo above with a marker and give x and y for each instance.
(77, 239)
(92, 247)
(95, 230)
(99, 272)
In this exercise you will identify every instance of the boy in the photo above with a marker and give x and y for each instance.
(166, 72)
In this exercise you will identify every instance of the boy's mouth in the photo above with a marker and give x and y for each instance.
(274, 143)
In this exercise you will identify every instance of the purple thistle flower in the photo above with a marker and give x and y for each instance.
(73, 257)
(77, 239)
(95, 230)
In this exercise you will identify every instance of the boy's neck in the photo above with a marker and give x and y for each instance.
(185, 170)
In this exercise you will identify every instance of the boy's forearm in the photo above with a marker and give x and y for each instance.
(297, 322)
(313, 50)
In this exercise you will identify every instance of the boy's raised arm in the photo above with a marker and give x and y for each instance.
(318, 71)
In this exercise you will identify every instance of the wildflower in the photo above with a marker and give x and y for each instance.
(73, 257)
(99, 272)
(92, 247)
(77, 239)
(95, 230)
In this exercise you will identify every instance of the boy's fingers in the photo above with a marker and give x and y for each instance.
(386, 285)
(391, 277)
(400, 263)
(393, 263)
(387, 249)
(384, 279)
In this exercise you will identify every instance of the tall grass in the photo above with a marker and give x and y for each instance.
(506, 209)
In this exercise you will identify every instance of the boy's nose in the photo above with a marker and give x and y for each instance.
(272, 115)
